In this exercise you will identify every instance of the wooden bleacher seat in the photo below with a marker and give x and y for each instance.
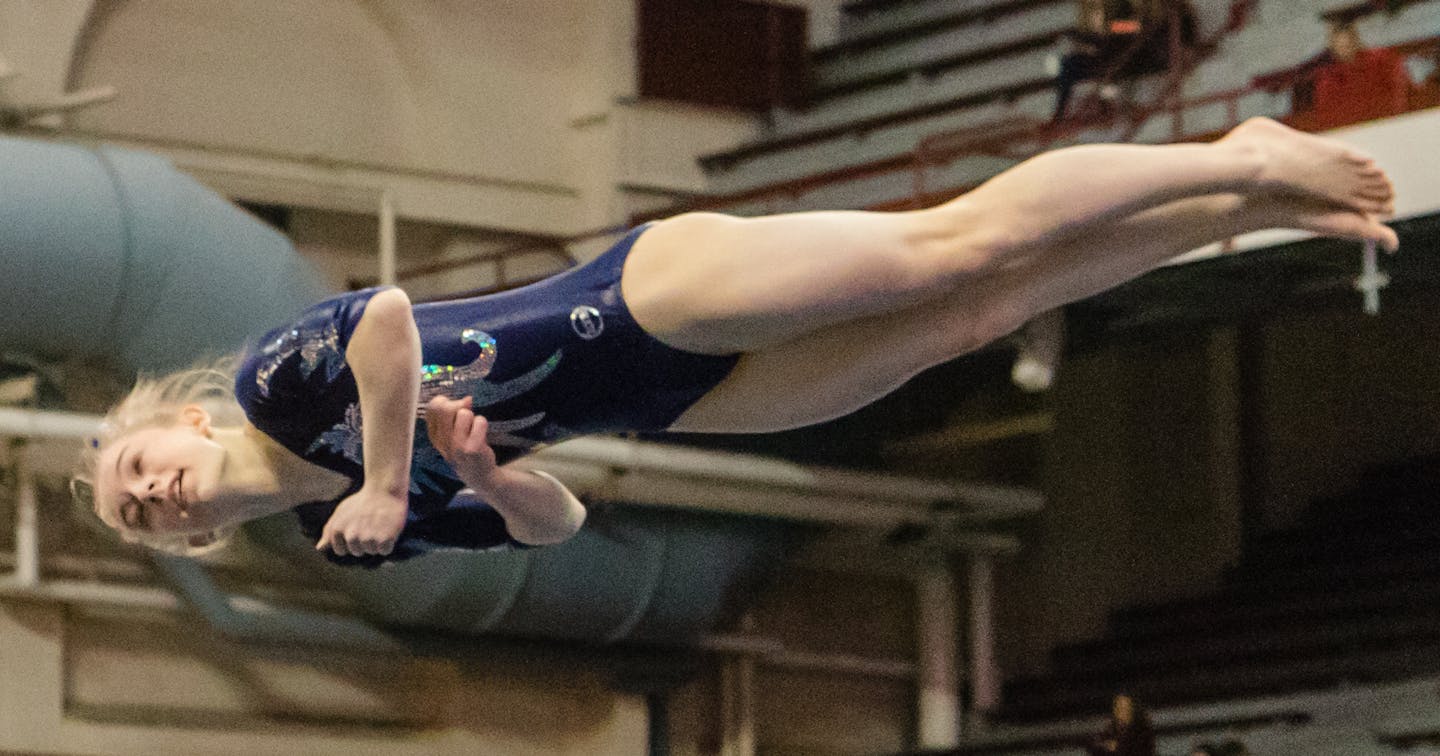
(866, 125)
(933, 68)
(985, 14)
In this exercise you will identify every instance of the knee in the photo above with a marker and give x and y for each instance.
(960, 243)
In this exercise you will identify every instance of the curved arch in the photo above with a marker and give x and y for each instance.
(329, 78)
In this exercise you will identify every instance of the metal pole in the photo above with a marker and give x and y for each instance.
(35, 424)
(27, 526)
(387, 239)
(737, 700)
(984, 672)
(737, 706)
(745, 710)
(938, 705)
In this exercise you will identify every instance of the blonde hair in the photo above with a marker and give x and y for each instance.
(157, 402)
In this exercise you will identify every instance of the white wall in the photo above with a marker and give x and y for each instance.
(474, 113)
(477, 88)
(508, 115)
(37, 39)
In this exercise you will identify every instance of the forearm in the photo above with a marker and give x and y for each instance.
(538, 509)
(384, 355)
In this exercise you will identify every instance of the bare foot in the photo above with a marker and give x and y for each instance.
(1313, 166)
(1328, 219)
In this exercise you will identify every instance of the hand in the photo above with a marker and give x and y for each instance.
(366, 522)
(459, 435)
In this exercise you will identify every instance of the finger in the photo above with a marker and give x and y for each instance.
(386, 547)
(439, 417)
(476, 441)
(337, 545)
(356, 542)
(324, 542)
(461, 431)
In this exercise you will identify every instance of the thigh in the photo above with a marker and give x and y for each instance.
(717, 284)
(838, 369)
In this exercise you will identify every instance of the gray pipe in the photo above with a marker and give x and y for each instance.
(113, 252)
(259, 622)
(631, 574)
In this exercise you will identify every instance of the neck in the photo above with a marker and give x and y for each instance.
(278, 479)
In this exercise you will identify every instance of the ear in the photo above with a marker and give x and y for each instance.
(195, 416)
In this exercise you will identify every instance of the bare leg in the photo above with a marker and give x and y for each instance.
(714, 284)
(839, 369)
(1082, 267)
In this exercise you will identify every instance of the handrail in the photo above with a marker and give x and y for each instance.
(942, 146)
(1270, 82)
(548, 246)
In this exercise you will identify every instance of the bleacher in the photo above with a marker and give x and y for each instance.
(901, 71)
(1325, 640)
(1350, 596)
(905, 71)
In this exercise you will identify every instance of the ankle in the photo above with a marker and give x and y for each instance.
(1250, 161)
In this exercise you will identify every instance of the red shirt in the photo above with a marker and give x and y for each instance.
(1372, 85)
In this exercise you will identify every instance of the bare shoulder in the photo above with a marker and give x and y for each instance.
(387, 312)
(389, 299)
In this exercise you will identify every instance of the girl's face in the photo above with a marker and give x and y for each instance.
(164, 479)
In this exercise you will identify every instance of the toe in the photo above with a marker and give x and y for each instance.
(1389, 240)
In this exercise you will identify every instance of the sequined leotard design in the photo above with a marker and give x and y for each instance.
(543, 363)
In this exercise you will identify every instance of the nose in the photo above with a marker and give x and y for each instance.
(148, 488)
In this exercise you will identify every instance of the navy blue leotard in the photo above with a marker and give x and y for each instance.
(547, 362)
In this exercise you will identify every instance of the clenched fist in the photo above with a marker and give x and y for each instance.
(366, 522)
(459, 435)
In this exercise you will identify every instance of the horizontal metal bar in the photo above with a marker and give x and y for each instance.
(664, 475)
(772, 653)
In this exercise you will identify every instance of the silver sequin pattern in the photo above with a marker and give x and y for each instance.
(472, 380)
(427, 466)
(317, 348)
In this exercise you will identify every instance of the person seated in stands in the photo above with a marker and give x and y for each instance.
(1120, 38)
(1164, 25)
(1353, 83)
(1105, 30)
(1128, 733)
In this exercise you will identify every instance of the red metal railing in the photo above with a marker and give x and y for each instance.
(1000, 138)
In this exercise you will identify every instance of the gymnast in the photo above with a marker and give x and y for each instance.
(698, 323)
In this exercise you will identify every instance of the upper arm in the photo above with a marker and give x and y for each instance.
(386, 325)
(386, 312)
